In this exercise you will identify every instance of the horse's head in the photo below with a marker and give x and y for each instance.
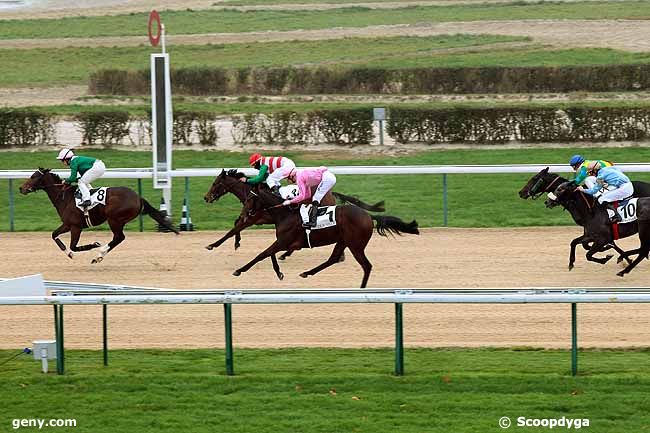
(539, 184)
(222, 185)
(259, 199)
(41, 179)
(562, 195)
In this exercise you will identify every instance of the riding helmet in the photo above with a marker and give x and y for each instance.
(65, 154)
(254, 158)
(576, 160)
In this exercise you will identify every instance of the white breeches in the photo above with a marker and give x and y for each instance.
(590, 181)
(95, 172)
(624, 191)
(327, 183)
(280, 173)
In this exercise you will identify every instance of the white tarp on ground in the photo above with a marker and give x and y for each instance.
(31, 285)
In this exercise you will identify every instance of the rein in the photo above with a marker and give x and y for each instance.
(535, 196)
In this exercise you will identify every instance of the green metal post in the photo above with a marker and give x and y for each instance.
(227, 309)
(140, 217)
(105, 332)
(574, 339)
(60, 354)
(399, 341)
(11, 205)
(444, 199)
(56, 337)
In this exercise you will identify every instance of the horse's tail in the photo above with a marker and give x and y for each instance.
(154, 213)
(377, 207)
(393, 225)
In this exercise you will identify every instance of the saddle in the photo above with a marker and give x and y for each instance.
(97, 197)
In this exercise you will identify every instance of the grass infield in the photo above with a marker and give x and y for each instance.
(329, 390)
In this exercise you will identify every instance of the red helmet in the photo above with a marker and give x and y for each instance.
(254, 158)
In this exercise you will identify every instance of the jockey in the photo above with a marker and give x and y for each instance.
(579, 165)
(89, 169)
(617, 186)
(306, 179)
(272, 169)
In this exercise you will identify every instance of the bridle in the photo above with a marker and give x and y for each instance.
(535, 195)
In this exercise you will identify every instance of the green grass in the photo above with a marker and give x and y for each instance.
(474, 200)
(44, 67)
(329, 390)
(232, 21)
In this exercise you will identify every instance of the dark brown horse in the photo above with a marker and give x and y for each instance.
(122, 206)
(228, 182)
(353, 230)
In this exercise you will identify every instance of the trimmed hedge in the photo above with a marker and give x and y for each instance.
(353, 126)
(333, 80)
(527, 125)
(22, 128)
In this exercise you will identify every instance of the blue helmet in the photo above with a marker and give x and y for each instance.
(576, 160)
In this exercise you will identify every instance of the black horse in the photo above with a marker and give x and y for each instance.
(353, 230)
(228, 182)
(587, 213)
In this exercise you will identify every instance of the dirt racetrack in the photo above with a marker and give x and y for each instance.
(437, 258)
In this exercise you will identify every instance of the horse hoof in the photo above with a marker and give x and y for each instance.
(281, 276)
(282, 257)
(570, 267)
(236, 273)
(237, 247)
(97, 260)
(70, 255)
(304, 275)
(96, 244)
(620, 274)
(209, 247)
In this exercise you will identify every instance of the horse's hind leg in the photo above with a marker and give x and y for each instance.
(118, 236)
(334, 258)
(643, 254)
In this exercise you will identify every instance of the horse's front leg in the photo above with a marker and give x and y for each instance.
(572, 254)
(270, 251)
(596, 248)
(276, 267)
(240, 224)
(63, 228)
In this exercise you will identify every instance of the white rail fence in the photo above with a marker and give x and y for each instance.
(444, 170)
(68, 294)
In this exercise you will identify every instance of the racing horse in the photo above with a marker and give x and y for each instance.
(587, 213)
(353, 230)
(228, 182)
(122, 206)
(545, 182)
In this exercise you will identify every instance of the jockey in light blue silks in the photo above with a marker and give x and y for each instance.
(613, 184)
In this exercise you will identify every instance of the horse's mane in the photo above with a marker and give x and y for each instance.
(234, 173)
(49, 170)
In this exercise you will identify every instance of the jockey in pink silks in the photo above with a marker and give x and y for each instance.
(306, 179)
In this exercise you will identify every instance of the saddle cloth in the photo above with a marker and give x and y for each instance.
(326, 216)
(288, 192)
(97, 197)
(626, 210)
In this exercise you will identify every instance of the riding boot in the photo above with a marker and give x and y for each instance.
(275, 189)
(616, 218)
(313, 213)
